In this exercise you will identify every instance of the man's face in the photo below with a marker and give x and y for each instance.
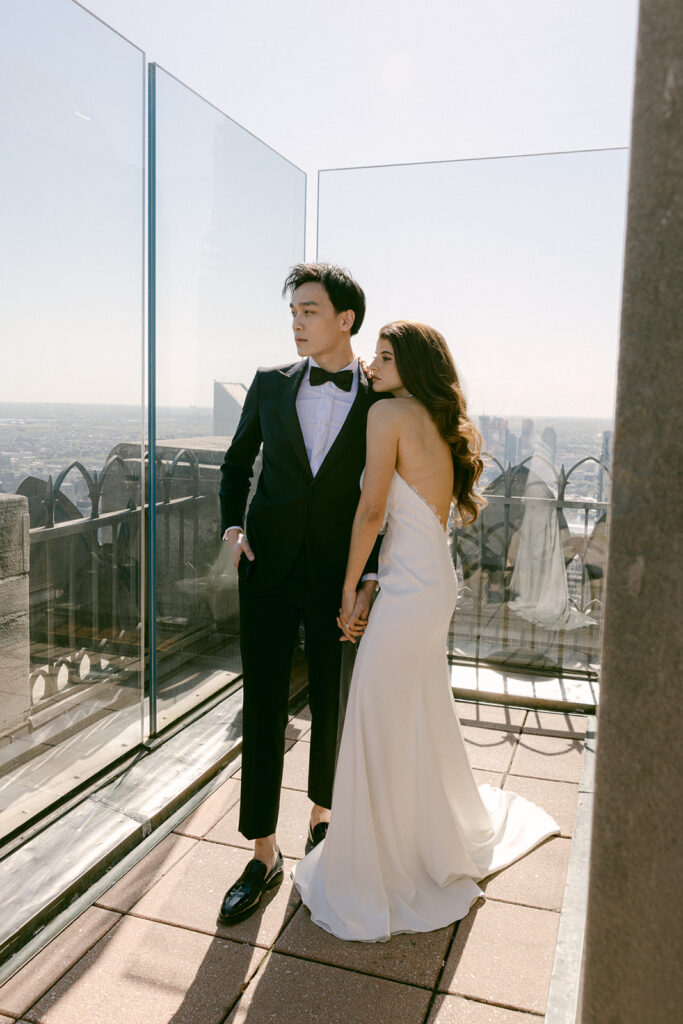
(318, 328)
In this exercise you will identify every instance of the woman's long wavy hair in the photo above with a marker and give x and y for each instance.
(426, 368)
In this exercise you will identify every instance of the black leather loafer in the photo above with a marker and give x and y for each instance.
(244, 896)
(317, 834)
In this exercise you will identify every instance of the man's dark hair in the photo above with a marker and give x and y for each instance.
(343, 292)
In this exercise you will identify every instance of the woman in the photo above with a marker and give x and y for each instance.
(411, 832)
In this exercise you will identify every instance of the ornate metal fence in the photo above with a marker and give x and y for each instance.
(531, 573)
(86, 580)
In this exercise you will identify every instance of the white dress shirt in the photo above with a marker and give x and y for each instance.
(322, 410)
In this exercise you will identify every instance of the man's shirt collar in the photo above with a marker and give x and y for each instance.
(353, 365)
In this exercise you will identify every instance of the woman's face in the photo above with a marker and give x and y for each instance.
(383, 372)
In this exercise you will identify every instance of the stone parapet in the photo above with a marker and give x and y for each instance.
(14, 611)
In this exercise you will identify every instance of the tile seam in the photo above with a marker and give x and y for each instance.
(503, 1006)
(544, 778)
(202, 931)
(245, 849)
(350, 970)
(490, 1002)
(246, 984)
(435, 988)
(515, 903)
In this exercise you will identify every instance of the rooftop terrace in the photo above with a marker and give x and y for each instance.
(149, 949)
(115, 625)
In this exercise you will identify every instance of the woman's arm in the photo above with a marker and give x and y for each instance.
(380, 462)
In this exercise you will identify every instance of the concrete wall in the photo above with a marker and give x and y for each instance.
(14, 618)
(632, 966)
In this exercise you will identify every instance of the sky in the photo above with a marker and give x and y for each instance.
(517, 261)
(327, 85)
(338, 83)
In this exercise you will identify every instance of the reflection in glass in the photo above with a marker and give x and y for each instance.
(517, 261)
(229, 222)
(531, 572)
(71, 219)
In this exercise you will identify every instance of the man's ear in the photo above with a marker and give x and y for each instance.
(347, 319)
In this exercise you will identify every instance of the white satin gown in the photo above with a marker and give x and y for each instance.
(411, 832)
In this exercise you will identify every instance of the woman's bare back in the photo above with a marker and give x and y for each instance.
(424, 458)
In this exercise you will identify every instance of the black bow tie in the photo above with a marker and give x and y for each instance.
(343, 379)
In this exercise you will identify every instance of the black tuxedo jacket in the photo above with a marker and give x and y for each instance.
(291, 507)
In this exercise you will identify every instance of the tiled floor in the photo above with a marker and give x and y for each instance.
(150, 951)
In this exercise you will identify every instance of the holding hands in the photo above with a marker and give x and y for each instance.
(355, 609)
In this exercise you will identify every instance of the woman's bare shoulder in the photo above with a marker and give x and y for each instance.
(389, 422)
(382, 415)
(391, 410)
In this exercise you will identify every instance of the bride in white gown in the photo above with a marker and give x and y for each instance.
(411, 833)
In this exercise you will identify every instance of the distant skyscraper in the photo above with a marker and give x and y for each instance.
(495, 433)
(228, 399)
(606, 459)
(526, 441)
(510, 448)
(549, 438)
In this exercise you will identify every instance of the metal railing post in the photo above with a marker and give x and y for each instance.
(151, 399)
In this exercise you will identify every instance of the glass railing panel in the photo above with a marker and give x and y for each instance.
(517, 261)
(71, 292)
(230, 220)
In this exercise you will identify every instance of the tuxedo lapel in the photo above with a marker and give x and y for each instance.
(352, 425)
(287, 409)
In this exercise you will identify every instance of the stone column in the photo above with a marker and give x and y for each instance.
(14, 617)
(632, 963)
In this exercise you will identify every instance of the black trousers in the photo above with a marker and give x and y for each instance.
(269, 625)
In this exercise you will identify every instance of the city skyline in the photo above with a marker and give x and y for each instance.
(42, 439)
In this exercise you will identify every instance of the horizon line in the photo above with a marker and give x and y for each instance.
(209, 409)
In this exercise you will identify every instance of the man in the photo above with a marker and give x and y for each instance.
(311, 418)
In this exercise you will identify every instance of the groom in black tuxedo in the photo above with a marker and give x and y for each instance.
(310, 417)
